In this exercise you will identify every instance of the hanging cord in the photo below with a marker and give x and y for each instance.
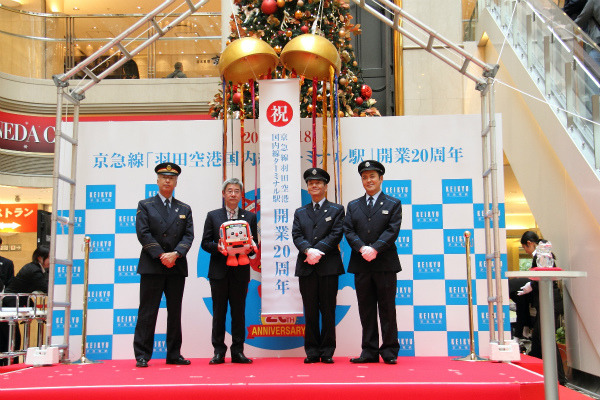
(512, 17)
(545, 102)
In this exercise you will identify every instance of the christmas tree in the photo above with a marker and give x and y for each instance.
(279, 21)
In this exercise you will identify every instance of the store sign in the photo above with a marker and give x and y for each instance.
(18, 217)
(27, 133)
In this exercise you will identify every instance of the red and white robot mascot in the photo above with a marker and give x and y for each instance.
(236, 242)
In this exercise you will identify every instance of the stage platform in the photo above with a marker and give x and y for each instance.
(419, 378)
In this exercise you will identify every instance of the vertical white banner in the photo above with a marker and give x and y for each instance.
(280, 184)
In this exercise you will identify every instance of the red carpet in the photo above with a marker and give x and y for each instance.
(290, 378)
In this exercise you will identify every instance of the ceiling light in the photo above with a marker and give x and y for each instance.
(76, 8)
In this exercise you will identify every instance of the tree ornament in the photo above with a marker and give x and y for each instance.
(366, 92)
(309, 108)
(342, 33)
(236, 98)
(298, 14)
(268, 6)
(288, 33)
(277, 49)
(354, 79)
(343, 81)
(300, 3)
(280, 3)
(354, 63)
(358, 100)
(304, 28)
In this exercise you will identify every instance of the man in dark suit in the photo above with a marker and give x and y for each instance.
(317, 232)
(165, 228)
(7, 270)
(228, 284)
(371, 227)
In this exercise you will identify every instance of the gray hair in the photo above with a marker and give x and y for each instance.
(233, 181)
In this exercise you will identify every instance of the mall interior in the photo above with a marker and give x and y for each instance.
(546, 92)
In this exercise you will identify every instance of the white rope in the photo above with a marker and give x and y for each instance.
(545, 102)
(512, 17)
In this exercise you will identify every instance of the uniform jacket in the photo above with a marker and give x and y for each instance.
(161, 232)
(31, 278)
(321, 230)
(378, 228)
(217, 268)
(7, 271)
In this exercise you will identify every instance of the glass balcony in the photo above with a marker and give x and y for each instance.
(555, 52)
(37, 45)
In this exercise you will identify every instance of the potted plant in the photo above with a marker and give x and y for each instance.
(562, 346)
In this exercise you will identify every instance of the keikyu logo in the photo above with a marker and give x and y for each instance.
(279, 113)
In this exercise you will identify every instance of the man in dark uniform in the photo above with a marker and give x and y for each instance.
(165, 229)
(317, 232)
(371, 227)
(228, 284)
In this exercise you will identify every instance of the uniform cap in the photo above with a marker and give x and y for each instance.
(316, 174)
(371, 165)
(168, 169)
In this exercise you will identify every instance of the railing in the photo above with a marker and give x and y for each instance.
(17, 308)
(38, 45)
(555, 52)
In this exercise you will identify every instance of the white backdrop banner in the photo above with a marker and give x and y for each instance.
(433, 165)
(280, 184)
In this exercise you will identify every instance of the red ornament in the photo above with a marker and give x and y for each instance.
(268, 6)
(236, 98)
(358, 101)
(366, 92)
(304, 29)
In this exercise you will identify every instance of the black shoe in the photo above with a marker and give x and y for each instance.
(327, 360)
(141, 363)
(390, 360)
(179, 361)
(364, 360)
(240, 358)
(217, 359)
(311, 360)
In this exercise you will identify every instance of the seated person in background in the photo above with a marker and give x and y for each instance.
(33, 277)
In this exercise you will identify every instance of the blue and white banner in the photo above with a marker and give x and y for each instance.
(433, 165)
(280, 185)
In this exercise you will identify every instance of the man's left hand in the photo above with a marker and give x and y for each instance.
(169, 259)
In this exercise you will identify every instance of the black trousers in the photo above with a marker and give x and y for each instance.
(319, 297)
(152, 286)
(376, 291)
(229, 291)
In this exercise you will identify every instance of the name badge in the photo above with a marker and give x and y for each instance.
(328, 219)
(181, 216)
(385, 212)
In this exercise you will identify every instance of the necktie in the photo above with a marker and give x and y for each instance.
(231, 214)
(317, 207)
(168, 205)
(370, 202)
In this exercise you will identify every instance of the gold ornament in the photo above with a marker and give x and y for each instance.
(300, 3)
(288, 33)
(298, 14)
(280, 3)
(277, 49)
(311, 56)
(354, 63)
(342, 32)
(343, 81)
(247, 58)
